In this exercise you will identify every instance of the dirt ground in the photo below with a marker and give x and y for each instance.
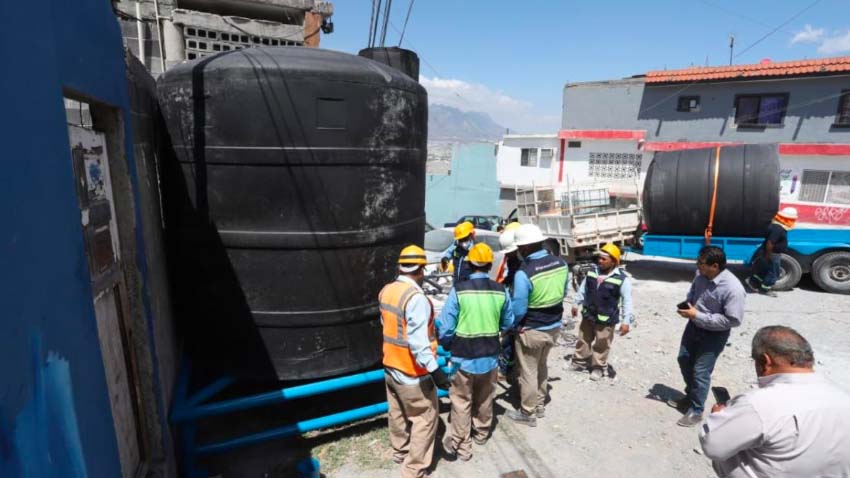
(619, 426)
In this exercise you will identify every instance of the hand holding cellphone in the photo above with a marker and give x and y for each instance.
(721, 395)
(683, 305)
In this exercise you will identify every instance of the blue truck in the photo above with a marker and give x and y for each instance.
(823, 253)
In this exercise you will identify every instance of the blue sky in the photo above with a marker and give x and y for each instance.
(511, 58)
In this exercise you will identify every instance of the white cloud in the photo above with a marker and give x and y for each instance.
(835, 45)
(506, 110)
(808, 35)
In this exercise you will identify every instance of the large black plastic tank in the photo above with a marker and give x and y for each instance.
(399, 58)
(679, 185)
(299, 176)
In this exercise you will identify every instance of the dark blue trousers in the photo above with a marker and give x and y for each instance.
(698, 352)
(766, 272)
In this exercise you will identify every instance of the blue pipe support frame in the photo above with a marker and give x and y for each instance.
(187, 410)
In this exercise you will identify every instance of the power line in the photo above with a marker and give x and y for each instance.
(406, 18)
(387, 10)
(739, 15)
(372, 23)
(771, 32)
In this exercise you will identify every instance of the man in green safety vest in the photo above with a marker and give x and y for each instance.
(540, 286)
(469, 324)
(603, 294)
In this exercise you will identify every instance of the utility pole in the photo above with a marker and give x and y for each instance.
(731, 48)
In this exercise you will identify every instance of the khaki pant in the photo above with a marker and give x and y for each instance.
(532, 351)
(413, 416)
(472, 409)
(601, 337)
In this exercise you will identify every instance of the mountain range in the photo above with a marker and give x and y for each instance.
(446, 123)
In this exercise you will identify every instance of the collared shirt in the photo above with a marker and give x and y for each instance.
(522, 290)
(719, 301)
(447, 323)
(796, 425)
(417, 312)
(626, 308)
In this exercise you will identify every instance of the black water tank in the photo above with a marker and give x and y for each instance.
(299, 176)
(678, 190)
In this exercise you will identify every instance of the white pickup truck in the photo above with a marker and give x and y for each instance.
(583, 217)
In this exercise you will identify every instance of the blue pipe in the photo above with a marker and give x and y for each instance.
(209, 391)
(299, 428)
(184, 414)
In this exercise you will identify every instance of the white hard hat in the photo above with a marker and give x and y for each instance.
(528, 234)
(788, 212)
(506, 240)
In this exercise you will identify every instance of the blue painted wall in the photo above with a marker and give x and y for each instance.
(49, 352)
(471, 188)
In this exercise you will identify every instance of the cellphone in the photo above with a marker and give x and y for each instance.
(721, 395)
(683, 305)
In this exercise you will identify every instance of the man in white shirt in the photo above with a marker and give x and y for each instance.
(797, 424)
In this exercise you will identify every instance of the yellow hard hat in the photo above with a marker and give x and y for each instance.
(480, 254)
(412, 255)
(463, 229)
(611, 250)
(512, 226)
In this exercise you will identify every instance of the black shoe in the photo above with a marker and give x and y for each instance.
(449, 450)
(691, 419)
(681, 404)
(521, 418)
(748, 282)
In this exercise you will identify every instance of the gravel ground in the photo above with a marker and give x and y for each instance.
(621, 426)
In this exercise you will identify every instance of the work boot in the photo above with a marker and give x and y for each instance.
(577, 367)
(449, 450)
(690, 419)
(399, 459)
(521, 418)
(750, 286)
(540, 411)
(481, 441)
(596, 374)
(768, 293)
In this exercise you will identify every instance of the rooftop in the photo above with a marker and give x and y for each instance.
(763, 69)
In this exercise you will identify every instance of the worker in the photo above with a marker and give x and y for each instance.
(796, 423)
(768, 256)
(410, 365)
(464, 234)
(507, 271)
(540, 286)
(714, 305)
(469, 324)
(605, 297)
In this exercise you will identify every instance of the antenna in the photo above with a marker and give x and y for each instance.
(731, 48)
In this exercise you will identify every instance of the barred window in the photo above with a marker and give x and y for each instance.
(528, 157)
(825, 186)
(615, 165)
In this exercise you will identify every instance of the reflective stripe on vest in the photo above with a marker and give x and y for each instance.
(548, 276)
(393, 300)
(477, 332)
(605, 301)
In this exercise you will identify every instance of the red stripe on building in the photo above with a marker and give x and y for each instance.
(680, 145)
(602, 134)
(813, 149)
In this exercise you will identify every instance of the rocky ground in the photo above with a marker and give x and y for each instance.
(619, 426)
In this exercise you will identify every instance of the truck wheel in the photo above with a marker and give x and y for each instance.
(790, 273)
(831, 272)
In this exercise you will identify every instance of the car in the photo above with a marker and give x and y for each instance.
(439, 240)
(486, 223)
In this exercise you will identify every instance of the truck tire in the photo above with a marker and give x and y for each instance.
(790, 273)
(831, 272)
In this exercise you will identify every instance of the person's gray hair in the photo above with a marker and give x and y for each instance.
(779, 341)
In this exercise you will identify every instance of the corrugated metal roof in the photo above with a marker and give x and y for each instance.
(760, 70)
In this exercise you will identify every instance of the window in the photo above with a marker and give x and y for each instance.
(615, 165)
(528, 157)
(688, 104)
(546, 158)
(760, 110)
(843, 116)
(574, 144)
(825, 186)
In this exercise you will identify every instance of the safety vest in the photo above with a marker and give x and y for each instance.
(461, 265)
(548, 276)
(393, 300)
(477, 331)
(604, 298)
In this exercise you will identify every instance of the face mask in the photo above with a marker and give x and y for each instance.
(467, 244)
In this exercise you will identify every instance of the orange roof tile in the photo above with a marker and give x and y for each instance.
(762, 69)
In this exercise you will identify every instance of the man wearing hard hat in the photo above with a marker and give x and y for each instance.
(507, 270)
(540, 286)
(469, 324)
(410, 364)
(464, 234)
(768, 256)
(605, 298)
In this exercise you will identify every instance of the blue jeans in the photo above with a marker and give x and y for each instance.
(698, 353)
(766, 272)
